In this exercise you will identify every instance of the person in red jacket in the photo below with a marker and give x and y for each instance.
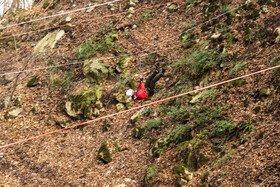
(147, 89)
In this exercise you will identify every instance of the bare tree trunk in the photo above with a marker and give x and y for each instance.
(6, 5)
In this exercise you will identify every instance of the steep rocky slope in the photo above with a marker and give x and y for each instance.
(223, 136)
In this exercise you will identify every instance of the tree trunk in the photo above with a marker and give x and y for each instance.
(6, 5)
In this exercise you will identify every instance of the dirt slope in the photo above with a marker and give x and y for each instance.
(69, 158)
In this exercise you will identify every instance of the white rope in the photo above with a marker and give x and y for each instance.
(61, 65)
(145, 54)
(63, 13)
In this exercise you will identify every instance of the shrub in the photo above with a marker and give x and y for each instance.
(153, 124)
(151, 171)
(199, 62)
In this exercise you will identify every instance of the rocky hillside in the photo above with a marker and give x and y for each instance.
(75, 68)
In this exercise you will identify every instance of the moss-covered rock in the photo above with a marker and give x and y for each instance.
(190, 154)
(34, 81)
(265, 91)
(63, 124)
(99, 104)
(69, 109)
(123, 63)
(157, 147)
(95, 71)
(104, 153)
(182, 174)
(138, 132)
(82, 100)
(120, 107)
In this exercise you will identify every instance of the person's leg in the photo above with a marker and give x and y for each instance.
(153, 82)
(151, 77)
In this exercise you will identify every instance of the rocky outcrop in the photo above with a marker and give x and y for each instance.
(84, 101)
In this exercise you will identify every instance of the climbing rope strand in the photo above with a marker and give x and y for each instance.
(60, 14)
(142, 106)
(97, 18)
(61, 65)
(140, 66)
(132, 53)
(81, 62)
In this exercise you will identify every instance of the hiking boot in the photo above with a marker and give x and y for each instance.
(163, 71)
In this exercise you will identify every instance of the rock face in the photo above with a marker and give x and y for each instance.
(14, 5)
(95, 71)
(49, 41)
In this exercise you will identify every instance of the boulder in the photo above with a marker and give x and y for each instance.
(13, 113)
(95, 71)
(120, 107)
(104, 153)
(138, 132)
(182, 174)
(71, 111)
(159, 146)
(49, 41)
(264, 92)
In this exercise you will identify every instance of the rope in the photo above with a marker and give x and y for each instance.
(61, 65)
(140, 66)
(87, 20)
(63, 13)
(142, 106)
(126, 54)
